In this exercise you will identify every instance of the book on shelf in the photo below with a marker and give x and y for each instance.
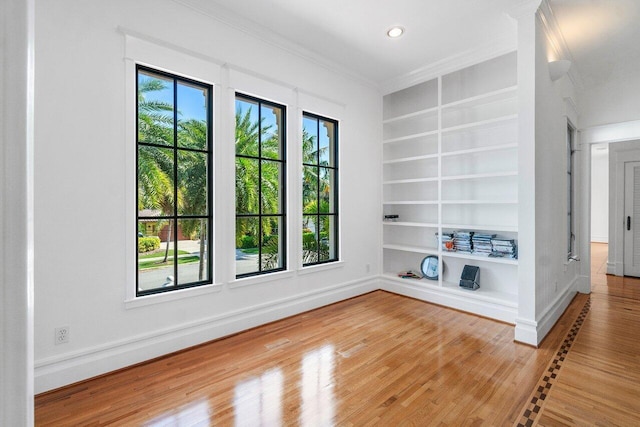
(478, 243)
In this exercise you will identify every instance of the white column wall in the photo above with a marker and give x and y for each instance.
(16, 213)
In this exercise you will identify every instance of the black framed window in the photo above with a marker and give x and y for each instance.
(571, 236)
(174, 182)
(319, 189)
(260, 186)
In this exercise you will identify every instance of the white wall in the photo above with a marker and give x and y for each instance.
(16, 212)
(547, 281)
(600, 193)
(556, 280)
(83, 185)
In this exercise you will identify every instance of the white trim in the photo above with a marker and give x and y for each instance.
(60, 370)
(260, 279)
(556, 39)
(157, 54)
(505, 311)
(526, 332)
(533, 332)
(555, 310)
(615, 132)
(17, 212)
(255, 29)
(147, 300)
(495, 48)
(320, 267)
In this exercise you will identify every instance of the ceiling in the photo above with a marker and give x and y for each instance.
(601, 35)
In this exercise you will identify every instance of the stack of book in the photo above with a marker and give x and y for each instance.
(462, 241)
(482, 244)
(446, 241)
(505, 248)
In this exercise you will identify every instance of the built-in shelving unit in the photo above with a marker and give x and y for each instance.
(450, 148)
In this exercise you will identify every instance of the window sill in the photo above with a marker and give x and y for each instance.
(257, 280)
(320, 267)
(171, 296)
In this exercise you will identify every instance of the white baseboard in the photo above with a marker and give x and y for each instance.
(487, 307)
(556, 309)
(526, 332)
(61, 370)
(615, 268)
(599, 239)
(533, 332)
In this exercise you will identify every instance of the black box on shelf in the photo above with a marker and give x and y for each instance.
(469, 279)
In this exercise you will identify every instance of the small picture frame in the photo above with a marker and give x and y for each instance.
(429, 267)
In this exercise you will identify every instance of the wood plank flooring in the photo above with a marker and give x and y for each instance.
(378, 359)
(599, 383)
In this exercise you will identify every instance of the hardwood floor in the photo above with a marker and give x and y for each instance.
(599, 383)
(378, 359)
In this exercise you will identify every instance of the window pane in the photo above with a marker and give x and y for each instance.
(327, 143)
(192, 116)
(193, 183)
(309, 140)
(327, 199)
(192, 251)
(246, 245)
(247, 189)
(327, 242)
(247, 127)
(272, 130)
(271, 244)
(155, 179)
(309, 239)
(155, 263)
(271, 196)
(155, 109)
(310, 189)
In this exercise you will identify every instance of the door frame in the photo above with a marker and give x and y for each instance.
(619, 155)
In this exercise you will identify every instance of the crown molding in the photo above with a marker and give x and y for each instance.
(254, 29)
(524, 9)
(554, 35)
(455, 62)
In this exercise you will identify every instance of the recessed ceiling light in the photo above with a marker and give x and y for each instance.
(395, 32)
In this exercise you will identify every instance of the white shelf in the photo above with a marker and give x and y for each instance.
(409, 180)
(416, 249)
(411, 115)
(410, 159)
(411, 202)
(475, 141)
(509, 261)
(411, 136)
(479, 176)
(482, 123)
(497, 228)
(484, 294)
(410, 224)
(479, 202)
(480, 150)
(510, 92)
(481, 294)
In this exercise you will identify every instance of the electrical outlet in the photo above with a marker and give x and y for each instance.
(61, 335)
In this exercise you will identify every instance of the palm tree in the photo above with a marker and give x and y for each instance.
(251, 192)
(155, 165)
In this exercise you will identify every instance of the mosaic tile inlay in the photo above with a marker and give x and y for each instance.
(531, 412)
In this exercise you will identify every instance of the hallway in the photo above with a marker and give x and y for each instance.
(599, 380)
